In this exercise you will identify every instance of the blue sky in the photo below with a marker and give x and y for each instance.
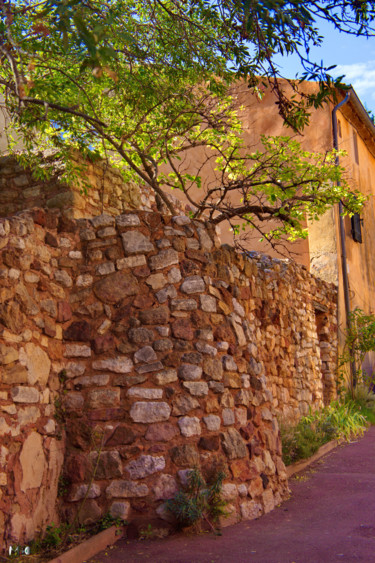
(354, 57)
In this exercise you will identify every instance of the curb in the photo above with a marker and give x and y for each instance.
(301, 465)
(90, 547)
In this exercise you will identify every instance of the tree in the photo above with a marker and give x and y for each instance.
(144, 82)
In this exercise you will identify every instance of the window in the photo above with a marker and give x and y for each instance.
(356, 227)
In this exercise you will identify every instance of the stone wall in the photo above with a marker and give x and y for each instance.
(134, 348)
(104, 190)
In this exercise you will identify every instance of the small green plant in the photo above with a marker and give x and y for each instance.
(364, 398)
(107, 521)
(199, 502)
(336, 421)
(53, 538)
(146, 533)
(59, 415)
(62, 486)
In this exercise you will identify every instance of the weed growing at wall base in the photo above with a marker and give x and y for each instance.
(199, 502)
(342, 421)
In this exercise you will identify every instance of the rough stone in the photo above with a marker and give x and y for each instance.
(145, 354)
(205, 348)
(183, 404)
(190, 372)
(208, 303)
(128, 220)
(77, 351)
(189, 426)
(135, 242)
(79, 492)
(159, 315)
(212, 422)
(33, 461)
(116, 365)
(148, 368)
(150, 412)
(229, 364)
(182, 328)
(145, 393)
(250, 510)
(156, 281)
(123, 435)
(109, 465)
(174, 275)
(163, 345)
(115, 287)
(14, 374)
(228, 417)
(25, 394)
(183, 305)
(197, 388)
(168, 292)
(234, 446)
(78, 330)
(102, 221)
(193, 284)
(161, 432)
(62, 277)
(126, 489)
(105, 269)
(103, 398)
(185, 456)
(120, 510)
(210, 443)
(140, 335)
(243, 470)
(229, 492)
(213, 368)
(49, 306)
(165, 258)
(145, 465)
(131, 262)
(165, 487)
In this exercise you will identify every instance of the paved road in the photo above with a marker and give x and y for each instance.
(329, 518)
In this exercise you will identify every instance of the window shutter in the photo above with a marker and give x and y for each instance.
(356, 227)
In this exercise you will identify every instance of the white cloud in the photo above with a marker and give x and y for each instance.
(361, 76)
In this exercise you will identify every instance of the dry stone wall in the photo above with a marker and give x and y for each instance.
(104, 190)
(134, 348)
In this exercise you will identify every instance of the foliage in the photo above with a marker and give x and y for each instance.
(364, 398)
(341, 421)
(143, 83)
(359, 340)
(199, 501)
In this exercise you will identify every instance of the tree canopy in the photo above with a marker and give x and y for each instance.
(143, 82)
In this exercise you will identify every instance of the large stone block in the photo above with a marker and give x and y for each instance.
(145, 465)
(116, 365)
(126, 489)
(33, 462)
(234, 446)
(148, 412)
(25, 394)
(37, 362)
(135, 242)
(115, 287)
(164, 259)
